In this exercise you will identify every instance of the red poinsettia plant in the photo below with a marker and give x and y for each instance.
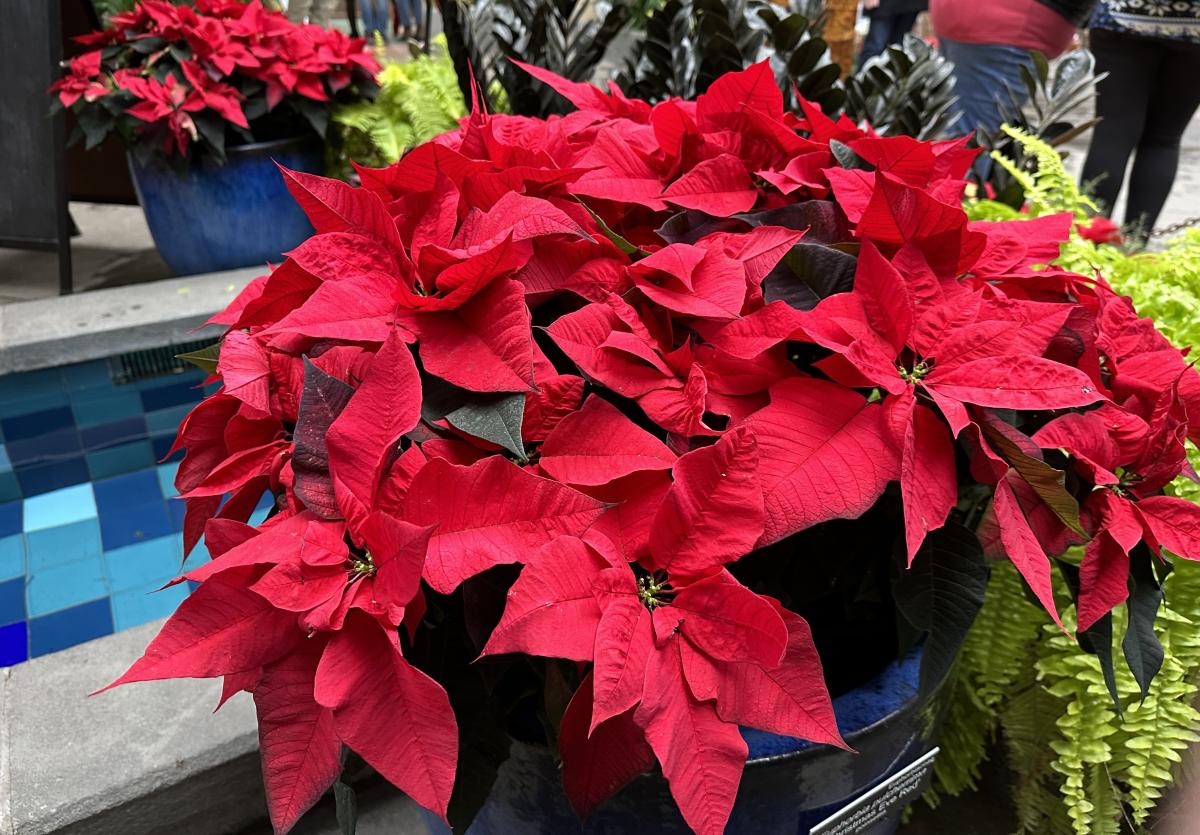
(178, 80)
(592, 404)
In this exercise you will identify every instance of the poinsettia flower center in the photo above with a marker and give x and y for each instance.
(655, 590)
(360, 567)
(916, 373)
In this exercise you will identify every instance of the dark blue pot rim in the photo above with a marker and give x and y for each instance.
(918, 701)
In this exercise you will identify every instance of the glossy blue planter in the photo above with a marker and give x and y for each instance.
(218, 217)
(789, 785)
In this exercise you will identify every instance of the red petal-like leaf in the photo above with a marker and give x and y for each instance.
(823, 453)
(713, 513)
(490, 513)
(1015, 382)
(301, 755)
(1022, 547)
(1174, 522)
(391, 714)
(728, 622)
(598, 444)
(719, 186)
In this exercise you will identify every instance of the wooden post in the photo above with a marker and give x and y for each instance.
(839, 32)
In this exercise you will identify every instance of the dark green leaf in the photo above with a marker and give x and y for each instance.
(1097, 641)
(1143, 652)
(691, 225)
(941, 592)
(205, 358)
(809, 273)
(346, 802)
(822, 221)
(495, 418)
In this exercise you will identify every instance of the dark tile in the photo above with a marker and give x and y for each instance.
(14, 644)
(10, 519)
(30, 425)
(113, 434)
(130, 524)
(175, 394)
(12, 601)
(87, 375)
(125, 490)
(118, 460)
(46, 477)
(44, 449)
(69, 627)
(10, 488)
(162, 445)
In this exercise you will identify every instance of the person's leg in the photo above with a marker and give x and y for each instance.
(902, 24)
(375, 17)
(1171, 106)
(1121, 100)
(879, 35)
(981, 74)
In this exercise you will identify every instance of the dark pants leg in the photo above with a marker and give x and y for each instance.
(1144, 105)
(885, 31)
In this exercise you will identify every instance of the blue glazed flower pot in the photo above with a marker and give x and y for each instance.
(789, 785)
(218, 217)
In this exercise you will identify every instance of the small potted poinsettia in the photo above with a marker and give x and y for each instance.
(645, 465)
(206, 96)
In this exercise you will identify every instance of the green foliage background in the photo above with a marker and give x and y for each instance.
(1023, 686)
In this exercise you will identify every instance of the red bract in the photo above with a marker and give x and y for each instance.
(512, 355)
(167, 66)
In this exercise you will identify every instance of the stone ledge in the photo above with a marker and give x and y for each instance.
(144, 758)
(103, 323)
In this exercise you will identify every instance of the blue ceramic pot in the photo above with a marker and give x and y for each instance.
(789, 785)
(218, 217)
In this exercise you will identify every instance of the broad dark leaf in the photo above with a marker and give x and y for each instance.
(322, 400)
(1096, 641)
(822, 221)
(346, 803)
(809, 273)
(1047, 481)
(1143, 652)
(205, 358)
(495, 418)
(691, 225)
(941, 593)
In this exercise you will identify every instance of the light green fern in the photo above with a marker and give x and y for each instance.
(417, 101)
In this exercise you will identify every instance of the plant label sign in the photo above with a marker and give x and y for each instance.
(880, 808)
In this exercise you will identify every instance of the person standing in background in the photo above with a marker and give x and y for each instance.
(891, 20)
(1151, 52)
(315, 11)
(375, 17)
(406, 22)
(989, 41)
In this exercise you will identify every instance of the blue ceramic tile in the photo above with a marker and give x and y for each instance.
(30, 384)
(10, 488)
(166, 479)
(127, 525)
(45, 449)
(5, 462)
(32, 424)
(69, 627)
(12, 601)
(162, 397)
(133, 608)
(12, 556)
(22, 404)
(114, 433)
(63, 586)
(197, 558)
(176, 510)
(118, 460)
(258, 516)
(144, 566)
(14, 644)
(43, 478)
(60, 507)
(166, 421)
(11, 518)
(86, 375)
(133, 488)
(162, 446)
(94, 407)
(66, 544)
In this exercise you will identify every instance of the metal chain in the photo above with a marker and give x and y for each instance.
(1175, 227)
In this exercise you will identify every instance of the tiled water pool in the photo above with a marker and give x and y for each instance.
(89, 526)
